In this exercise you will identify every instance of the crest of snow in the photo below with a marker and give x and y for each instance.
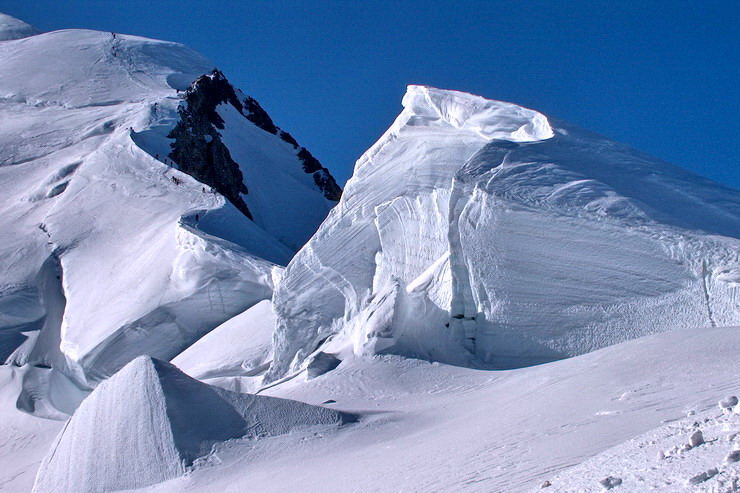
(12, 28)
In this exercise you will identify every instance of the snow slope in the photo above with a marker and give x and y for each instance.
(432, 427)
(24, 438)
(481, 233)
(12, 28)
(150, 422)
(234, 354)
(109, 250)
(664, 459)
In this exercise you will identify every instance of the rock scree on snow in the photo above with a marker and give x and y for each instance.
(150, 422)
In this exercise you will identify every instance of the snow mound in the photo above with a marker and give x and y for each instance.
(12, 28)
(481, 233)
(150, 422)
(699, 453)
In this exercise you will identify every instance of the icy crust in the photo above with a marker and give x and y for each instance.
(479, 233)
(12, 28)
(150, 422)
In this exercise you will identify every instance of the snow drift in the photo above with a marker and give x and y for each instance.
(150, 422)
(481, 233)
(112, 247)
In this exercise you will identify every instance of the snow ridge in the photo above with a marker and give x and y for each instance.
(12, 28)
(109, 249)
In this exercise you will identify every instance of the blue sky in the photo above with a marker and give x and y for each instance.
(661, 76)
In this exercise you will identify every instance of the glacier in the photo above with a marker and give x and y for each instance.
(481, 233)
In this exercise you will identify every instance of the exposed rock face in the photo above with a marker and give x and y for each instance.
(199, 150)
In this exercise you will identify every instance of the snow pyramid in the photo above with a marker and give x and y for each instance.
(150, 421)
(481, 233)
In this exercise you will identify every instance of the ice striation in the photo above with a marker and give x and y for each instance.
(150, 422)
(481, 233)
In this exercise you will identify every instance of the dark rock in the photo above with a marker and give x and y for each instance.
(289, 139)
(200, 152)
(310, 163)
(259, 116)
(198, 149)
(327, 184)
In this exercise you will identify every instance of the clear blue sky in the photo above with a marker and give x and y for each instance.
(661, 76)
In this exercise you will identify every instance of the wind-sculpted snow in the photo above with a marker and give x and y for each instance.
(150, 422)
(481, 233)
(108, 250)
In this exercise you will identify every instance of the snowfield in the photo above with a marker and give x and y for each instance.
(432, 427)
(498, 301)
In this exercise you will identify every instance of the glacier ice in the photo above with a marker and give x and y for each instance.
(481, 233)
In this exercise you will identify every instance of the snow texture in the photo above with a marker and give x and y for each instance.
(484, 234)
(234, 354)
(150, 422)
(664, 460)
(433, 427)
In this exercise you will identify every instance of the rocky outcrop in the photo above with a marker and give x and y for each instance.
(198, 148)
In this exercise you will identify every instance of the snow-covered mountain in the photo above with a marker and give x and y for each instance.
(484, 234)
(145, 199)
(149, 206)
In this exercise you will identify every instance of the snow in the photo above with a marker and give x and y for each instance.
(169, 420)
(12, 28)
(235, 353)
(484, 234)
(24, 439)
(432, 427)
(663, 460)
(500, 301)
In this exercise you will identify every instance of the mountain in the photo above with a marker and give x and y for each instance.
(146, 200)
(498, 301)
(150, 422)
(484, 234)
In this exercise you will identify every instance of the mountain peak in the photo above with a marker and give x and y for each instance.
(12, 28)
(490, 119)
